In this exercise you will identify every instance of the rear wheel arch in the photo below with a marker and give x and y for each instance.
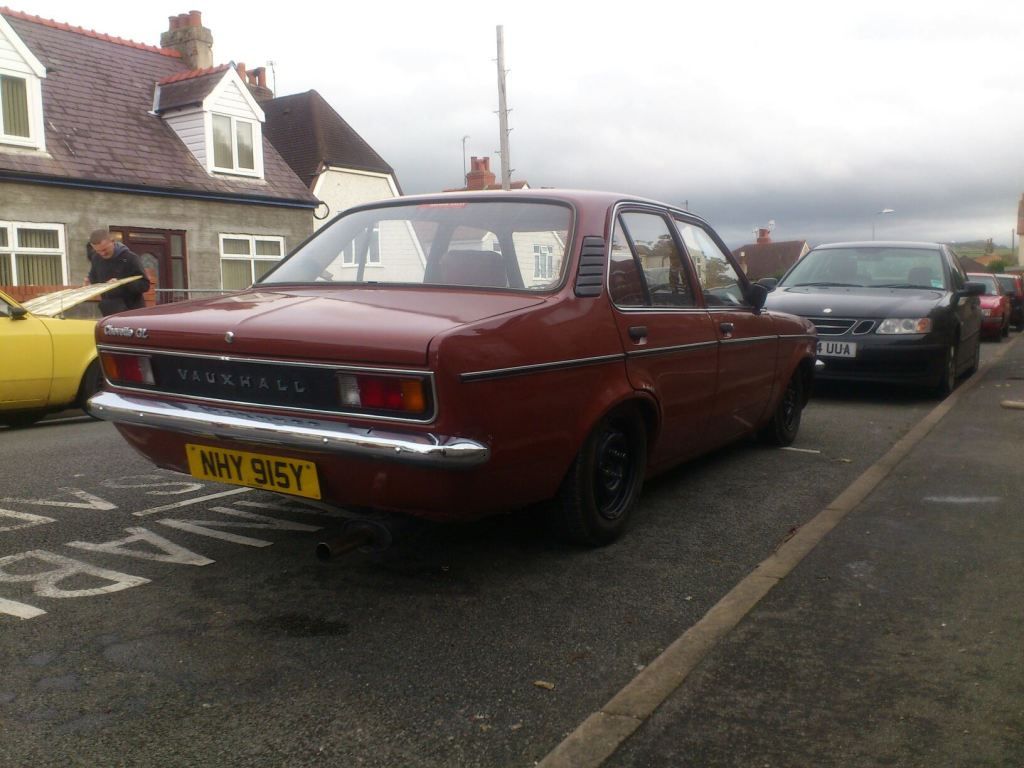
(605, 478)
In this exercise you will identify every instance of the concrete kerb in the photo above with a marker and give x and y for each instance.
(602, 733)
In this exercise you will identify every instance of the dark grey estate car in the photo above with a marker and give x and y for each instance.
(898, 312)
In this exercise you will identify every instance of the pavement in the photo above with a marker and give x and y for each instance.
(887, 631)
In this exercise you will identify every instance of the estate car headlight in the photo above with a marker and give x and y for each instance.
(896, 325)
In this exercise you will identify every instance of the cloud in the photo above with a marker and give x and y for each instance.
(809, 113)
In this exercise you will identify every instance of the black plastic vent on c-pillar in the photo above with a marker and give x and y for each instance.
(590, 275)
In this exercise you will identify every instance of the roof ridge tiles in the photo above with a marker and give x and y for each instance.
(193, 73)
(5, 11)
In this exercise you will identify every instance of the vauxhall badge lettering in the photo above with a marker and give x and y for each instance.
(241, 382)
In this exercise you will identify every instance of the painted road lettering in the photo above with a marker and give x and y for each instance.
(56, 576)
(160, 549)
(45, 583)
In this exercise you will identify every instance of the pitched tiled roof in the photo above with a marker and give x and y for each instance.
(770, 259)
(97, 98)
(188, 88)
(308, 133)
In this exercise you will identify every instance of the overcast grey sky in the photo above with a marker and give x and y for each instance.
(810, 114)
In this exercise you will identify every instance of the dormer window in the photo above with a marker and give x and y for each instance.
(21, 95)
(233, 144)
(215, 115)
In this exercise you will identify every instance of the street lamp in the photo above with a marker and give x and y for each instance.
(879, 213)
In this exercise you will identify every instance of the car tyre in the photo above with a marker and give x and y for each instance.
(21, 419)
(604, 481)
(1005, 331)
(948, 379)
(91, 383)
(785, 422)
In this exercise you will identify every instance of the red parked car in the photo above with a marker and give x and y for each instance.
(458, 355)
(1013, 286)
(995, 305)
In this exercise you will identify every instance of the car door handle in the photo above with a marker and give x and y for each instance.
(638, 332)
(726, 328)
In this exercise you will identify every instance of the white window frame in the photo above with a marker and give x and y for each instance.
(251, 257)
(543, 262)
(32, 73)
(257, 143)
(348, 258)
(12, 247)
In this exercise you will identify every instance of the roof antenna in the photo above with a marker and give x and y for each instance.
(273, 76)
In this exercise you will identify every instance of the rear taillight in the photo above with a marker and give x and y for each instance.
(128, 369)
(374, 392)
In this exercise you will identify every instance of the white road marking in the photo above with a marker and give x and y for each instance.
(302, 508)
(190, 502)
(90, 501)
(173, 553)
(178, 487)
(44, 583)
(800, 450)
(190, 526)
(28, 520)
(19, 610)
(208, 527)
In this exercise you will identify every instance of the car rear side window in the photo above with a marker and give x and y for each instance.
(624, 283)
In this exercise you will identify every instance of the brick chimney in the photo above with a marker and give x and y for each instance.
(256, 81)
(763, 236)
(480, 176)
(187, 35)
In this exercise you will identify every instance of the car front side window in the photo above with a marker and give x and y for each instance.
(716, 274)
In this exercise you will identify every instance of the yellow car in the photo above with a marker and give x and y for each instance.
(47, 363)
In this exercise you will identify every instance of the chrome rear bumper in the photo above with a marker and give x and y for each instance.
(291, 432)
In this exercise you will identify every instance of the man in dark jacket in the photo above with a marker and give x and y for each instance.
(112, 261)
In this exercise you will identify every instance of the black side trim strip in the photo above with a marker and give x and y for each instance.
(524, 370)
(670, 350)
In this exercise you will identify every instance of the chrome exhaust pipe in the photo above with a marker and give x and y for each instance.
(370, 535)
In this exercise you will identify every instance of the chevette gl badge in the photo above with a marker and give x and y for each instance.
(116, 330)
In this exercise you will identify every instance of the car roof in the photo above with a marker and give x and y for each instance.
(576, 197)
(881, 244)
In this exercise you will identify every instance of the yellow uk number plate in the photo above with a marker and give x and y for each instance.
(255, 470)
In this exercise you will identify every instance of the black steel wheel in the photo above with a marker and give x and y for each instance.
(785, 422)
(604, 481)
(947, 381)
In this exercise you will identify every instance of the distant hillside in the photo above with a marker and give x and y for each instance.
(976, 248)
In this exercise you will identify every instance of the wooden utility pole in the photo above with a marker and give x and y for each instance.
(506, 168)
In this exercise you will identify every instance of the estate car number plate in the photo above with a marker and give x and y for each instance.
(837, 349)
(255, 470)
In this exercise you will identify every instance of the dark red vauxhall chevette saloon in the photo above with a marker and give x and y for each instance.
(458, 355)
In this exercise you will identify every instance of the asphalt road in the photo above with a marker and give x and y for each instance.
(151, 620)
